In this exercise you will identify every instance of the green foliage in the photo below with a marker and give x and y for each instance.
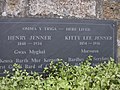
(62, 76)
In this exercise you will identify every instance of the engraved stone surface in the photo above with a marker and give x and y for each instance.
(33, 43)
(102, 9)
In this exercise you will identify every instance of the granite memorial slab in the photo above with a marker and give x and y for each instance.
(33, 43)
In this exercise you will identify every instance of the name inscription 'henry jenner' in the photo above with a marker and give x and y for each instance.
(14, 37)
(35, 43)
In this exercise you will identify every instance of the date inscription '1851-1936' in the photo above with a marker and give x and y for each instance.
(33, 43)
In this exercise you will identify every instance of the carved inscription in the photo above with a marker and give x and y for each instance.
(34, 44)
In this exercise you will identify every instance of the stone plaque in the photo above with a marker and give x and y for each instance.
(33, 43)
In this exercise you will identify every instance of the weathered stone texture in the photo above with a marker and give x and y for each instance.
(1, 6)
(76, 8)
(15, 8)
(52, 8)
(111, 9)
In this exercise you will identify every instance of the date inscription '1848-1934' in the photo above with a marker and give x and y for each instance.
(33, 43)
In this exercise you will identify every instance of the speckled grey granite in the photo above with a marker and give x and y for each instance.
(52, 8)
(14, 8)
(76, 8)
